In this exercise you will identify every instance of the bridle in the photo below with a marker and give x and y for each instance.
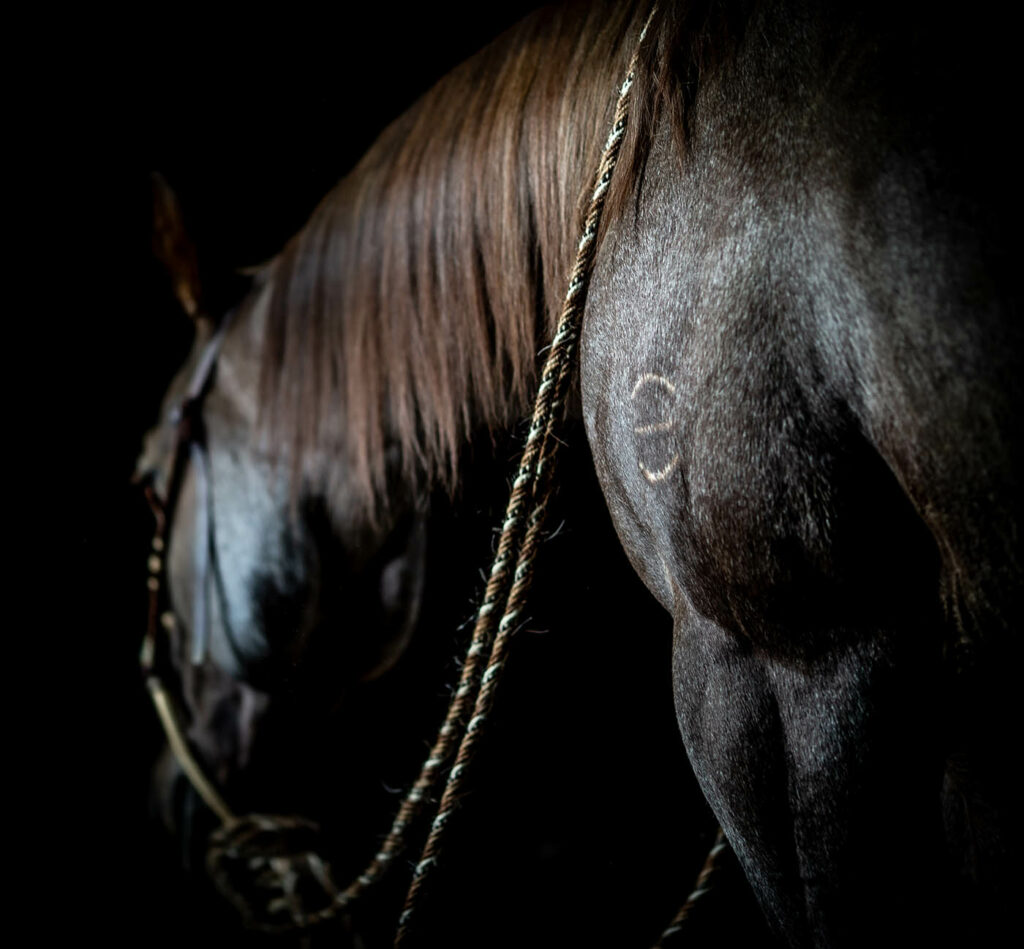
(154, 657)
(190, 452)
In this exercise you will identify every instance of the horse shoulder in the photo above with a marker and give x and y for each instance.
(801, 398)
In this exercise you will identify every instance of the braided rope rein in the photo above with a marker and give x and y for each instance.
(510, 576)
(533, 483)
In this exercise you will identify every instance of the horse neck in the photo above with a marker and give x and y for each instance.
(408, 314)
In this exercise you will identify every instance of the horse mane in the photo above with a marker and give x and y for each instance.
(408, 313)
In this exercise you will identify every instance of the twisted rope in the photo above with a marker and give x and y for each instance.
(705, 881)
(520, 538)
(487, 653)
(509, 582)
(531, 492)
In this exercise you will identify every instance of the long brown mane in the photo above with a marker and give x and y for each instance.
(410, 310)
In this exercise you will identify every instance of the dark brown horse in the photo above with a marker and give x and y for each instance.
(800, 374)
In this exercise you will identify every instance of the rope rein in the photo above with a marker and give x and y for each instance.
(509, 581)
(505, 595)
(468, 713)
(527, 507)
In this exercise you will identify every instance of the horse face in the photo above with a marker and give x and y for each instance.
(300, 603)
(280, 567)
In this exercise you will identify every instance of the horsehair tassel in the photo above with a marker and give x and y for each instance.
(534, 477)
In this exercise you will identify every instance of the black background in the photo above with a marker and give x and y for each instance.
(250, 123)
